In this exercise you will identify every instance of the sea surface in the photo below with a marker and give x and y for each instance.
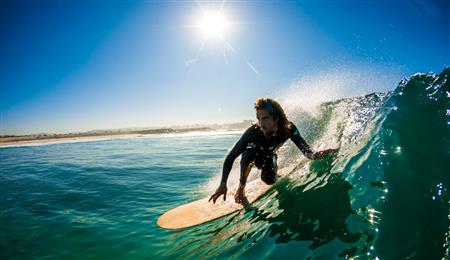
(384, 195)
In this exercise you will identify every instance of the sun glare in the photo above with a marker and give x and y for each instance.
(213, 24)
(215, 28)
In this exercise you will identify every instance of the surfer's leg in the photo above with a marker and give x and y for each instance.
(269, 169)
(247, 159)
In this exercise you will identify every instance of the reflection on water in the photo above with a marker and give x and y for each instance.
(313, 208)
(318, 215)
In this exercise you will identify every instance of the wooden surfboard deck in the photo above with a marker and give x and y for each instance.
(202, 211)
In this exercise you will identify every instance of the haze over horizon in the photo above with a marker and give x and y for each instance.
(84, 65)
(131, 128)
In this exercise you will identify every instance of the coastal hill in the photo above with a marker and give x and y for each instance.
(126, 131)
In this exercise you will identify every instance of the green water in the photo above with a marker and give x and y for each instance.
(383, 195)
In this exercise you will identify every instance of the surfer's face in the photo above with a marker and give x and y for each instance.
(268, 124)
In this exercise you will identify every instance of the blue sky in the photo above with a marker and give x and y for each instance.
(82, 65)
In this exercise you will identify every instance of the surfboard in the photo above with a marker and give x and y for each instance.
(202, 211)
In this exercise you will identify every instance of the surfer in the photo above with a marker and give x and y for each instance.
(258, 146)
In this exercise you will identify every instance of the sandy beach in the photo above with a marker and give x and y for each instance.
(42, 139)
(68, 139)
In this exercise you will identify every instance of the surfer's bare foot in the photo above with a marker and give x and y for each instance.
(222, 190)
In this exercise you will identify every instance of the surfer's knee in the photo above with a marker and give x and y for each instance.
(269, 174)
(247, 157)
(269, 178)
(269, 170)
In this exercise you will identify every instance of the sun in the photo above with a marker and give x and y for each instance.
(213, 24)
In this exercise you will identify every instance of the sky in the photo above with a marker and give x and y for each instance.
(69, 66)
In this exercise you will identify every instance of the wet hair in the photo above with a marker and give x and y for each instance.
(276, 111)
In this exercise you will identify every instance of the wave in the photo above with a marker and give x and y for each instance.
(384, 194)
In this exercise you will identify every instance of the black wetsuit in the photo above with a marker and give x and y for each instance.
(257, 149)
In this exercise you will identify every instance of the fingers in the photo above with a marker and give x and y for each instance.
(212, 196)
(215, 196)
(331, 151)
(322, 154)
(245, 201)
(317, 156)
(241, 200)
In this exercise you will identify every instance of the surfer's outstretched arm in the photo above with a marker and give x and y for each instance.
(301, 143)
(238, 148)
(240, 193)
(305, 148)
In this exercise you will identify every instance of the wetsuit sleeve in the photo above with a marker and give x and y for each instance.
(301, 143)
(238, 148)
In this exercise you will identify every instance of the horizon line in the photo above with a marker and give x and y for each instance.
(130, 128)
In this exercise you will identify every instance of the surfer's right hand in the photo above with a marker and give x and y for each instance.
(240, 196)
(221, 190)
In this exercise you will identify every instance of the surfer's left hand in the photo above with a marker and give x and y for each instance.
(321, 154)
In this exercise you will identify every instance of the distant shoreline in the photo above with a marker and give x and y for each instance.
(18, 140)
(30, 139)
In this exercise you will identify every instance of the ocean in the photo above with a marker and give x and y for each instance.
(384, 195)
